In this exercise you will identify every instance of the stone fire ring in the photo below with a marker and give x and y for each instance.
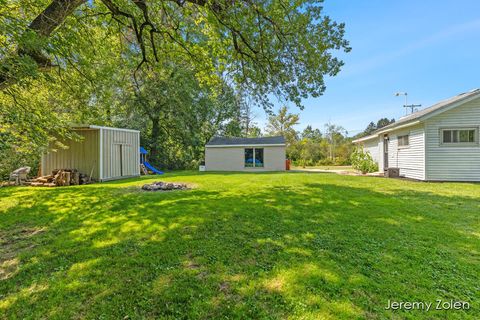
(164, 186)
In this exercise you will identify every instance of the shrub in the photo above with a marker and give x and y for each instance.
(363, 161)
(326, 162)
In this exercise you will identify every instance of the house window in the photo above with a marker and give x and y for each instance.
(454, 136)
(254, 158)
(403, 141)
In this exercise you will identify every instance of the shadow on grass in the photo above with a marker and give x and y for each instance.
(307, 251)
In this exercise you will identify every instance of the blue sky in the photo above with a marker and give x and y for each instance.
(430, 49)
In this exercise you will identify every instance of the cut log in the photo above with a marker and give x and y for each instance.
(76, 178)
(60, 177)
(37, 184)
(67, 178)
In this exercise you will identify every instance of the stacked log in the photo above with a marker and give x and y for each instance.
(61, 177)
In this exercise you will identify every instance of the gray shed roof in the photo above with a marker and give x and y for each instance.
(425, 113)
(224, 141)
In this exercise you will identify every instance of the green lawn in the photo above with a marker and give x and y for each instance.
(342, 168)
(289, 245)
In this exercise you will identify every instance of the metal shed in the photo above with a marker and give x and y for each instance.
(104, 153)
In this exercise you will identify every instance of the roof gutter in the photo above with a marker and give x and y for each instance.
(409, 124)
(376, 134)
(370, 137)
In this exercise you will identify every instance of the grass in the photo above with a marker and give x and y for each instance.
(260, 246)
(342, 168)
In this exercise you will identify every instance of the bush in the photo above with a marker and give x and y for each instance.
(11, 160)
(326, 162)
(363, 161)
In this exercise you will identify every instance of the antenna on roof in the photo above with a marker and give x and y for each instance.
(406, 105)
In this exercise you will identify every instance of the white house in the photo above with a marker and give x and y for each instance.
(245, 154)
(439, 143)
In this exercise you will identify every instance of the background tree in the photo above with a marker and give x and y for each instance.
(266, 46)
(312, 134)
(372, 127)
(383, 122)
(312, 147)
(77, 61)
(176, 114)
(282, 124)
(335, 135)
(254, 132)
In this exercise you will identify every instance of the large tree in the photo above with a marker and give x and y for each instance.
(335, 135)
(177, 116)
(266, 46)
(283, 123)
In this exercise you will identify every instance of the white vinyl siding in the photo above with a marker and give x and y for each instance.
(373, 146)
(454, 162)
(410, 159)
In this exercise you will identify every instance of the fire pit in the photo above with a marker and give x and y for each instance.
(164, 186)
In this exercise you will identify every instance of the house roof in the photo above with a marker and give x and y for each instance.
(425, 113)
(224, 141)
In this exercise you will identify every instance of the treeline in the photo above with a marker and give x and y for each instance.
(311, 146)
(372, 127)
(330, 145)
(179, 72)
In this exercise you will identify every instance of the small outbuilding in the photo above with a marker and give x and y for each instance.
(245, 154)
(103, 153)
(439, 143)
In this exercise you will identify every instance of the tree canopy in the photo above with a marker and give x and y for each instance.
(178, 70)
(372, 127)
(267, 47)
(282, 124)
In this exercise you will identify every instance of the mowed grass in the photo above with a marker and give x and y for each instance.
(333, 168)
(240, 246)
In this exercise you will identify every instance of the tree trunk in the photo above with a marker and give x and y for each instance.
(53, 16)
(43, 25)
(154, 149)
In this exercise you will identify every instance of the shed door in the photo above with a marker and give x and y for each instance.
(118, 160)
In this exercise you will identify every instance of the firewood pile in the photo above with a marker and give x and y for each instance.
(60, 177)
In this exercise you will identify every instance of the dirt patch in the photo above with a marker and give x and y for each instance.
(8, 268)
(224, 287)
(190, 263)
(12, 243)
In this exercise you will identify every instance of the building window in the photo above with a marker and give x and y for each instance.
(403, 141)
(249, 161)
(453, 136)
(259, 158)
(254, 158)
